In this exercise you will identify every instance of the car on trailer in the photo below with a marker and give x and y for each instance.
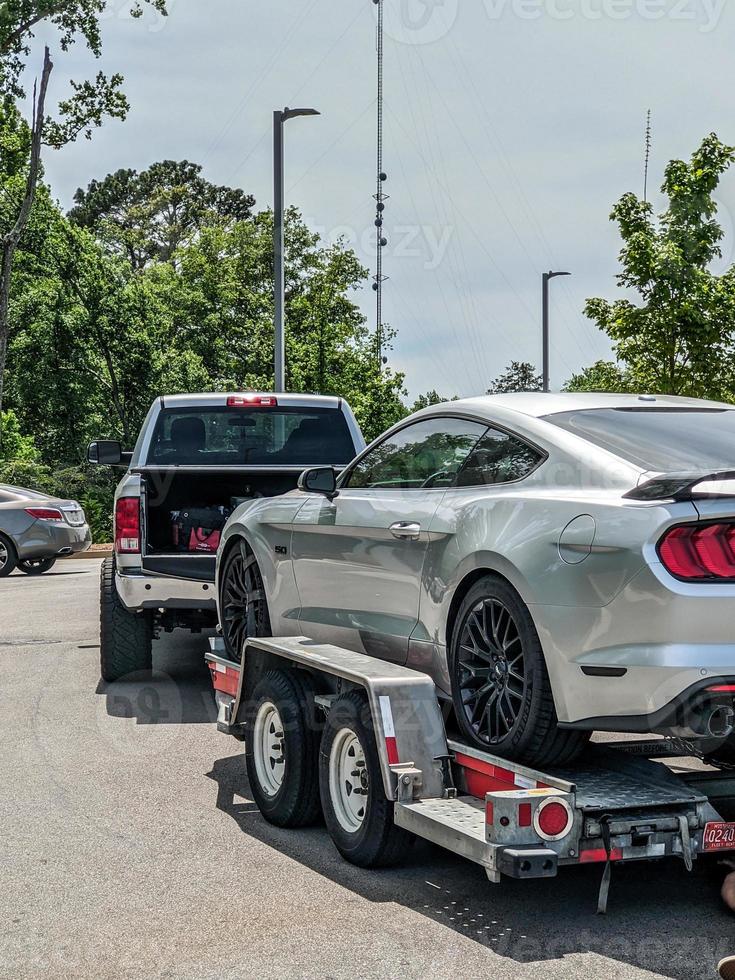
(558, 564)
(199, 458)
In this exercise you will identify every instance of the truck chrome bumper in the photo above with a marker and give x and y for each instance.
(138, 590)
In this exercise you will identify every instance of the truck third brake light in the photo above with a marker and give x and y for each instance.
(252, 401)
(697, 552)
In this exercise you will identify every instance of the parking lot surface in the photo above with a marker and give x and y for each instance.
(131, 847)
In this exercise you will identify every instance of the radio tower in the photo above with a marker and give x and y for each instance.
(380, 198)
(648, 155)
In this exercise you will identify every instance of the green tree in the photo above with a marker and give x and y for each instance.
(518, 376)
(148, 216)
(89, 102)
(680, 337)
(602, 376)
(428, 398)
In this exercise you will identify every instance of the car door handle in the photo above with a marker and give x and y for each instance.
(406, 530)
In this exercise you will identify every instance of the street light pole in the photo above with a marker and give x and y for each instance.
(547, 277)
(280, 116)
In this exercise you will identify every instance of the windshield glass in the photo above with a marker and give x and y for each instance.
(663, 440)
(251, 437)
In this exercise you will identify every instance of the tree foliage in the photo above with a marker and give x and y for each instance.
(518, 376)
(147, 216)
(680, 336)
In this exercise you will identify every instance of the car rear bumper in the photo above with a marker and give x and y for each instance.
(138, 590)
(46, 539)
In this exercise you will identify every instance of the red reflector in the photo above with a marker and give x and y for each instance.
(524, 815)
(553, 819)
(722, 689)
(45, 513)
(252, 401)
(489, 814)
(127, 526)
(598, 855)
(696, 551)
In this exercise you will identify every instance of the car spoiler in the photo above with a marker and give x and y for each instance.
(678, 486)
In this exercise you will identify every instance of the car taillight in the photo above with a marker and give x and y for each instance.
(252, 401)
(45, 513)
(553, 819)
(699, 551)
(127, 526)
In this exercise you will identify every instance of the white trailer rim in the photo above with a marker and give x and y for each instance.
(270, 764)
(348, 780)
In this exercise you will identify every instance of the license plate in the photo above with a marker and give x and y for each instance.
(719, 837)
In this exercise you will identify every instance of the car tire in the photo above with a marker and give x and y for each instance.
(362, 827)
(8, 557)
(36, 566)
(501, 692)
(282, 738)
(126, 639)
(243, 605)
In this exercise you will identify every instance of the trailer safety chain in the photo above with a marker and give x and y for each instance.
(607, 873)
(689, 748)
(686, 842)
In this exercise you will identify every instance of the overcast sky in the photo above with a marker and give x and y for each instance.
(512, 126)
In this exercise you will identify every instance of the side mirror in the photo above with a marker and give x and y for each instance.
(321, 479)
(105, 452)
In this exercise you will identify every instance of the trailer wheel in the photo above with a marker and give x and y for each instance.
(500, 685)
(283, 748)
(126, 639)
(358, 815)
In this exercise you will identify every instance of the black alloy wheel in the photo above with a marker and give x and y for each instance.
(492, 677)
(243, 606)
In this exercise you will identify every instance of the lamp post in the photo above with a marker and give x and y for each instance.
(547, 277)
(280, 116)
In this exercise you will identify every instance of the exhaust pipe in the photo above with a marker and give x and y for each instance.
(720, 723)
(708, 720)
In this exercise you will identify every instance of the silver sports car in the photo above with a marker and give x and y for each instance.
(36, 529)
(557, 563)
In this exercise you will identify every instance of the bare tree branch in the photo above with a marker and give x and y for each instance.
(9, 241)
(12, 39)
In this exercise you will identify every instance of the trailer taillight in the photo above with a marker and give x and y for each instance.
(695, 552)
(252, 401)
(553, 819)
(127, 526)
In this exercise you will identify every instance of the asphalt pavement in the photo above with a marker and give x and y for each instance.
(131, 848)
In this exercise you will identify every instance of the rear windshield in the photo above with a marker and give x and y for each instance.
(663, 440)
(251, 437)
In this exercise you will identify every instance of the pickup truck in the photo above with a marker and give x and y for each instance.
(199, 458)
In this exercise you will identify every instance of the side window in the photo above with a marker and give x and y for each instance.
(498, 458)
(425, 455)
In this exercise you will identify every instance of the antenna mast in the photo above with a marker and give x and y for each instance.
(648, 156)
(380, 198)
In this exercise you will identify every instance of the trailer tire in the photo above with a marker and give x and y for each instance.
(126, 639)
(364, 833)
(284, 783)
(500, 635)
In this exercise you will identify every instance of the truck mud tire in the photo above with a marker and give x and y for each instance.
(283, 734)
(357, 813)
(8, 558)
(243, 605)
(125, 638)
(500, 685)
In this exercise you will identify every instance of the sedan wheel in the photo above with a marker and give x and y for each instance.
(492, 677)
(36, 566)
(7, 557)
(243, 606)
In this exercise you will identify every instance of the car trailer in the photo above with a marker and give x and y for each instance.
(618, 804)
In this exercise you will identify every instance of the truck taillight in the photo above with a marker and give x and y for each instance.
(45, 513)
(699, 551)
(252, 401)
(127, 526)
